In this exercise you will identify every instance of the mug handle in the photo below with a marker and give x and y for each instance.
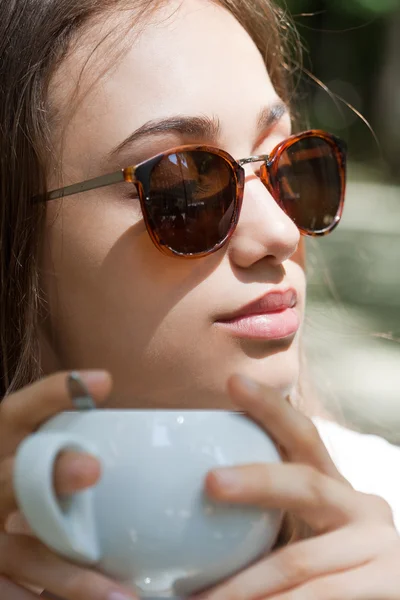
(66, 525)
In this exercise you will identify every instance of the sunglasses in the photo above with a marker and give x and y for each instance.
(191, 196)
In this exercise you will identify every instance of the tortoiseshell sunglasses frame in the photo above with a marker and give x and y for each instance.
(140, 175)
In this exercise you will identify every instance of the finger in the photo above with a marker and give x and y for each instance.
(11, 591)
(377, 579)
(24, 411)
(26, 559)
(322, 502)
(344, 549)
(295, 433)
(73, 472)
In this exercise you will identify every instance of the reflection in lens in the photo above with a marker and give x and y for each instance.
(191, 200)
(309, 182)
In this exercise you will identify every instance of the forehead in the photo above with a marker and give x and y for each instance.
(187, 58)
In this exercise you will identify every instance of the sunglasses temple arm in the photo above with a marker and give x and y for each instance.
(90, 184)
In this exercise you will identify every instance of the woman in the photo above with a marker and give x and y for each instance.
(103, 281)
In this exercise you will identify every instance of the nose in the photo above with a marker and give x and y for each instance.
(264, 231)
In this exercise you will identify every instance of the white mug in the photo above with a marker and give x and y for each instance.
(148, 523)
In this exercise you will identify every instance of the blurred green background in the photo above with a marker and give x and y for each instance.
(353, 319)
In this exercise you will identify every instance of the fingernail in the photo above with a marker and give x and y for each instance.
(77, 387)
(120, 596)
(94, 376)
(228, 478)
(250, 385)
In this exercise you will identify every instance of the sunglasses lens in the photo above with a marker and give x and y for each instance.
(310, 184)
(191, 202)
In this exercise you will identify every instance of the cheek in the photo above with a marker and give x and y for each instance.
(87, 256)
(100, 270)
(82, 232)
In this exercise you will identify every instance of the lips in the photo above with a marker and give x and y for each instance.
(272, 302)
(271, 317)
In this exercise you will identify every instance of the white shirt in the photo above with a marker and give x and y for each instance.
(368, 462)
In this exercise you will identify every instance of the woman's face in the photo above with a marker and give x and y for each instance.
(115, 301)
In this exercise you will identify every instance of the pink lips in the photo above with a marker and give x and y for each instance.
(271, 317)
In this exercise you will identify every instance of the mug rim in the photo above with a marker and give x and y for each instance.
(153, 411)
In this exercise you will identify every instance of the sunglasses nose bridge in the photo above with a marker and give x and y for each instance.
(253, 159)
(265, 174)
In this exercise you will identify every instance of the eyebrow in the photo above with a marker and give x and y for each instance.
(199, 127)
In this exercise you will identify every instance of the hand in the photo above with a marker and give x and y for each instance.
(25, 563)
(355, 551)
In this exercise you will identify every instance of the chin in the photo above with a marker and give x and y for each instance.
(183, 382)
(280, 369)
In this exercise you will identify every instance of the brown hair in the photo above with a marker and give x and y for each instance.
(34, 38)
